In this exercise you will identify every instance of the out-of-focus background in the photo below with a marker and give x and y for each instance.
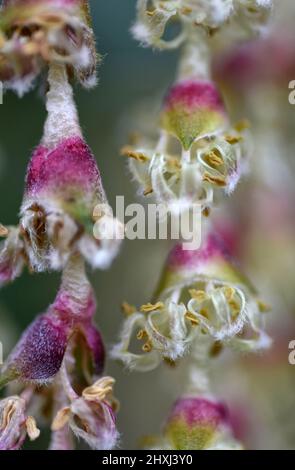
(259, 390)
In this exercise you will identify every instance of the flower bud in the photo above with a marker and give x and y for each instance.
(193, 110)
(40, 351)
(199, 424)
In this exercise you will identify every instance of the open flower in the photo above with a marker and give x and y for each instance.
(63, 190)
(40, 351)
(198, 423)
(201, 292)
(197, 153)
(38, 32)
(153, 18)
(15, 424)
(162, 331)
(91, 417)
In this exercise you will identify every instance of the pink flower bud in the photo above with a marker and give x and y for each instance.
(197, 424)
(39, 354)
(211, 261)
(193, 109)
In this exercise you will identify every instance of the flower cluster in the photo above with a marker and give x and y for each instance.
(65, 220)
(203, 301)
(154, 17)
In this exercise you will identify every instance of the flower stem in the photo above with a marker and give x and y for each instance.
(62, 120)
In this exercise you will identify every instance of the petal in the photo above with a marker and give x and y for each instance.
(40, 351)
(100, 422)
(12, 256)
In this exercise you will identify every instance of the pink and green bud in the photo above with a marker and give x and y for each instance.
(211, 262)
(193, 109)
(197, 424)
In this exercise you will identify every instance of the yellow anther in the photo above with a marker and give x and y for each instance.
(128, 309)
(263, 307)
(61, 419)
(151, 307)
(192, 318)
(141, 334)
(99, 390)
(198, 295)
(32, 430)
(217, 180)
(232, 139)
(242, 125)
(147, 347)
(128, 151)
(214, 159)
(7, 414)
(229, 293)
(148, 190)
(216, 349)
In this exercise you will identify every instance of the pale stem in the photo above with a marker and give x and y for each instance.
(195, 62)
(75, 283)
(198, 374)
(62, 121)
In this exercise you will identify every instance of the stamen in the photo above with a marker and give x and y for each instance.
(32, 430)
(186, 11)
(61, 419)
(263, 307)
(3, 231)
(231, 139)
(128, 309)
(242, 125)
(141, 334)
(151, 307)
(229, 293)
(127, 151)
(148, 190)
(198, 295)
(216, 349)
(99, 390)
(7, 415)
(214, 159)
(194, 321)
(218, 180)
(147, 347)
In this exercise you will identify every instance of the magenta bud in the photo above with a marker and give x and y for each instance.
(40, 351)
(211, 261)
(193, 109)
(195, 423)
